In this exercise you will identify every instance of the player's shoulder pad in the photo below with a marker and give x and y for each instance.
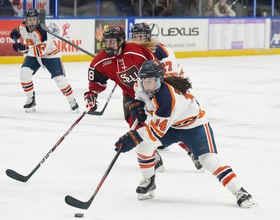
(161, 52)
(23, 24)
(165, 101)
(42, 32)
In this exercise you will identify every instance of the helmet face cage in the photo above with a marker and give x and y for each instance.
(150, 69)
(117, 33)
(141, 32)
(31, 13)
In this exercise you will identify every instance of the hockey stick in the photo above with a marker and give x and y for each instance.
(105, 106)
(16, 176)
(84, 205)
(42, 18)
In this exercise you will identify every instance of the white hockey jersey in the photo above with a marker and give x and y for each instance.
(40, 43)
(168, 61)
(168, 109)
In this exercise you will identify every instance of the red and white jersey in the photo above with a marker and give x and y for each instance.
(168, 61)
(122, 69)
(43, 41)
(169, 109)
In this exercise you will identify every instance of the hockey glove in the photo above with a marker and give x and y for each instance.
(136, 108)
(128, 141)
(90, 99)
(15, 34)
(18, 47)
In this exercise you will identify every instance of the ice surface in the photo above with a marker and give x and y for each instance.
(241, 96)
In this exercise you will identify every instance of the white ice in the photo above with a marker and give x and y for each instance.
(241, 96)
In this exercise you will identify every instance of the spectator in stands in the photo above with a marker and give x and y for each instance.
(6, 8)
(207, 8)
(222, 9)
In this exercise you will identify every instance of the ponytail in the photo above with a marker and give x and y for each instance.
(178, 83)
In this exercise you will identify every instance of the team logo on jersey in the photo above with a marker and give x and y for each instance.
(107, 62)
(129, 76)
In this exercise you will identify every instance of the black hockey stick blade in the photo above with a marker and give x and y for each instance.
(84, 205)
(77, 203)
(105, 106)
(16, 176)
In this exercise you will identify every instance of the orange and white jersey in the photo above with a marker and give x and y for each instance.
(168, 61)
(39, 42)
(169, 109)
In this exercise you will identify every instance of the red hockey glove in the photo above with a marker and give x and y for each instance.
(128, 141)
(136, 108)
(90, 99)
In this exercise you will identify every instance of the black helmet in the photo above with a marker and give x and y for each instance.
(117, 33)
(31, 12)
(141, 28)
(151, 69)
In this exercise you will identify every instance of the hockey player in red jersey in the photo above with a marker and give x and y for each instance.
(118, 61)
(142, 33)
(174, 114)
(40, 51)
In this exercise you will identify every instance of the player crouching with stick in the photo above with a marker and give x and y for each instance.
(173, 114)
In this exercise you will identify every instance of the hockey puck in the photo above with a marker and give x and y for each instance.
(79, 215)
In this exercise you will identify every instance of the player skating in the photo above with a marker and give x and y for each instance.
(119, 61)
(40, 51)
(174, 114)
(142, 33)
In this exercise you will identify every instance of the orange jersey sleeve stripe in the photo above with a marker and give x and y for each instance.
(150, 133)
(156, 130)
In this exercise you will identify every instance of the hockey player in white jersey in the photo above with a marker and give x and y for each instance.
(142, 33)
(174, 114)
(40, 51)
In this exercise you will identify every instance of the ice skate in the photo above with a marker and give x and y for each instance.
(196, 162)
(30, 104)
(159, 163)
(146, 188)
(74, 107)
(244, 199)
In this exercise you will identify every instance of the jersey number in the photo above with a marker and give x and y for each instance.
(161, 125)
(39, 47)
(167, 66)
(90, 75)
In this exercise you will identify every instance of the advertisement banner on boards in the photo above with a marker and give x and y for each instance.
(230, 34)
(275, 33)
(100, 26)
(6, 26)
(78, 32)
(179, 34)
(17, 6)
